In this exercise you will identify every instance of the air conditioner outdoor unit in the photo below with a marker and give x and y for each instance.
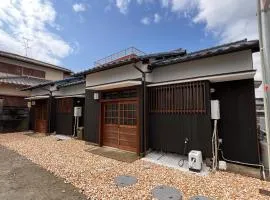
(195, 161)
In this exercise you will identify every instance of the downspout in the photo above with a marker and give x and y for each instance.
(144, 105)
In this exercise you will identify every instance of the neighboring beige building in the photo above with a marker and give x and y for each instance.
(16, 73)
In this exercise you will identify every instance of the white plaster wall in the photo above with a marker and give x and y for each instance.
(51, 74)
(125, 72)
(65, 91)
(39, 92)
(70, 90)
(233, 62)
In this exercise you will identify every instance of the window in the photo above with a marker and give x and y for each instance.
(128, 114)
(111, 113)
(120, 114)
(185, 98)
(33, 72)
(120, 94)
(64, 105)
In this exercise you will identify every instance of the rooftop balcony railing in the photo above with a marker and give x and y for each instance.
(126, 54)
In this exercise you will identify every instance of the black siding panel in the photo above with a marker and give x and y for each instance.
(51, 114)
(141, 120)
(237, 126)
(64, 123)
(167, 132)
(91, 118)
(32, 118)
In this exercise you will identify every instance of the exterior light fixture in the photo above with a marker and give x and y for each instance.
(96, 96)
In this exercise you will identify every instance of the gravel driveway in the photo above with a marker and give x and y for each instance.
(22, 179)
(94, 175)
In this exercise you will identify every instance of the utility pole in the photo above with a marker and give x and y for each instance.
(264, 35)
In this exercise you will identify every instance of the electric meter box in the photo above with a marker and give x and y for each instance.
(215, 111)
(77, 111)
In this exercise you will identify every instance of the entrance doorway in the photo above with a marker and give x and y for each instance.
(120, 125)
(41, 116)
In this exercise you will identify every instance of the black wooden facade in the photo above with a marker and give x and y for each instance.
(237, 126)
(168, 129)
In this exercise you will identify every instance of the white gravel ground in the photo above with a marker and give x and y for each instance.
(94, 174)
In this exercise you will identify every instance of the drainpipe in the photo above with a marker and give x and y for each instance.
(144, 105)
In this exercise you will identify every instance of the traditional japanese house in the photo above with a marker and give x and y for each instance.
(18, 72)
(52, 105)
(157, 101)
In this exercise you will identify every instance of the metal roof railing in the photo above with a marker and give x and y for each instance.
(125, 54)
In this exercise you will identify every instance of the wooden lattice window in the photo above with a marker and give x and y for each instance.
(130, 93)
(111, 113)
(64, 105)
(33, 72)
(121, 113)
(187, 98)
(128, 114)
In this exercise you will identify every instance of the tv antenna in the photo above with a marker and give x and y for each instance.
(26, 45)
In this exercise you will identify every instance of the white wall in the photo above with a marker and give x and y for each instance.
(70, 90)
(125, 72)
(39, 91)
(64, 91)
(233, 62)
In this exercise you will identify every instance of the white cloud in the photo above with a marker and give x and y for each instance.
(146, 20)
(123, 5)
(181, 5)
(79, 7)
(227, 21)
(157, 18)
(230, 21)
(164, 3)
(145, 1)
(21, 19)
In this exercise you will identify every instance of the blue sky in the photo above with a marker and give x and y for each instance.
(74, 34)
(101, 32)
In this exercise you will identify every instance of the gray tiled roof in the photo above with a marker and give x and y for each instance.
(76, 82)
(32, 61)
(173, 53)
(59, 83)
(134, 59)
(21, 80)
(107, 66)
(214, 51)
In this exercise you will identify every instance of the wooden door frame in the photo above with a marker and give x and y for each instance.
(102, 105)
(40, 103)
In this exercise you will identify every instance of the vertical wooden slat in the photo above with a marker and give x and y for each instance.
(174, 99)
(181, 98)
(184, 98)
(166, 99)
(197, 96)
(204, 102)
